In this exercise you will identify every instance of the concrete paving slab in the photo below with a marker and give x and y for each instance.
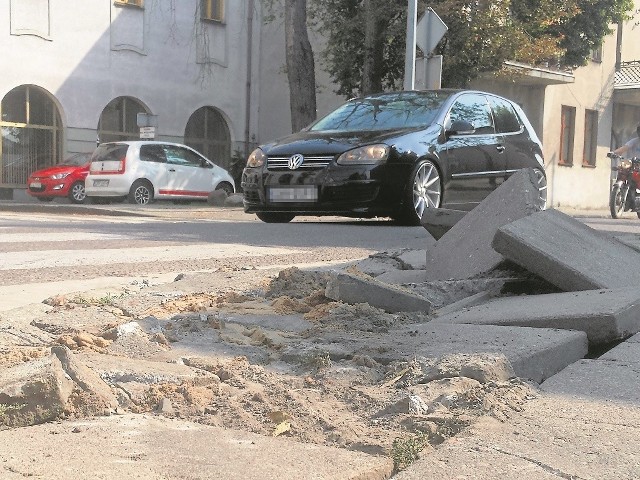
(567, 253)
(553, 438)
(403, 277)
(626, 352)
(438, 221)
(362, 289)
(465, 250)
(534, 354)
(604, 315)
(598, 379)
(156, 448)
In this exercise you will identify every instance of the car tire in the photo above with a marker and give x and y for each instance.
(424, 190)
(141, 193)
(225, 187)
(45, 199)
(77, 193)
(272, 217)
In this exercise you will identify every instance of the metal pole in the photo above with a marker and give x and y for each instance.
(410, 55)
(247, 115)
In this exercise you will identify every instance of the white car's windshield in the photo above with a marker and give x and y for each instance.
(385, 112)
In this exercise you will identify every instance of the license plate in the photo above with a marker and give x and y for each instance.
(101, 183)
(35, 185)
(293, 194)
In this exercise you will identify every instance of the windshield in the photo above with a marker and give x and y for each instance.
(76, 160)
(385, 112)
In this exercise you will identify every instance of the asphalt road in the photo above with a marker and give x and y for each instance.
(53, 251)
(50, 249)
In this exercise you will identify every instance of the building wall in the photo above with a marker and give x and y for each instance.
(85, 53)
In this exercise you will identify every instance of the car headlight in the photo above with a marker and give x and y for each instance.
(256, 159)
(365, 155)
(58, 176)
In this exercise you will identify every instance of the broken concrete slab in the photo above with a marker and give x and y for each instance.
(598, 379)
(567, 253)
(89, 381)
(438, 221)
(413, 259)
(627, 352)
(604, 315)
(553, 437)
(465, 250)
(363, 289)
(535, 354)
(34, 392)
(135, 446)
(467, 302)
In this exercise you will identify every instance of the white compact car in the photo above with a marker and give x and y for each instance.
(142, 171)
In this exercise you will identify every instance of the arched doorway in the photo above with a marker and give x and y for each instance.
(31, 133)
(118, 121)
(208, 132)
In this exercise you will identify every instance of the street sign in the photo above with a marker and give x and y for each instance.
(147, 132)
(429, 31)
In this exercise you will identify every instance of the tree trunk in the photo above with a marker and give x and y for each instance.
(372, 66)
(300, 65)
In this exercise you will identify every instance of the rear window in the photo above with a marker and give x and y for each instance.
(385, 112)
(504, 116)
(110, 151)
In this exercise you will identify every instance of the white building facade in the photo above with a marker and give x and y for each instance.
(78, 72)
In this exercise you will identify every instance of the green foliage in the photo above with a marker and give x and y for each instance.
(405, 451)
(481, 36)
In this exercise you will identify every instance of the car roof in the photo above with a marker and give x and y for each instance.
(144, 142)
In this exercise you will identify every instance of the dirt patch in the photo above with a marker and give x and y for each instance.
(356, 403)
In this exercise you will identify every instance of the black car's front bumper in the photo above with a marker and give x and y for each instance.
(362, 191)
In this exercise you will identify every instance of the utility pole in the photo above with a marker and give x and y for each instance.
(410, 49)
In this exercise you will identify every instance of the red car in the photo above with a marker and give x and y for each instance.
(66, 179)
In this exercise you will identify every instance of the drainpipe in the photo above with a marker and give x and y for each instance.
(619, 47)
(247, 116)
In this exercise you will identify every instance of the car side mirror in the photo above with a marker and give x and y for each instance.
(460, 127)
(205, 164)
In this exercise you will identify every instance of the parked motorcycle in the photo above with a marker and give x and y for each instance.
(625, 192)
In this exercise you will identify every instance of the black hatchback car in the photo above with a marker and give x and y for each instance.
(394, 155)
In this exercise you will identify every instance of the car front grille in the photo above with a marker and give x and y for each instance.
(351, 193)
(251, 196)
(310, 163)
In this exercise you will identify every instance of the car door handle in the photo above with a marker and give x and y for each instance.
(173, 169)
(500, 148)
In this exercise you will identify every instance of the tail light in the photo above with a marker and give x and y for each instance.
(108, 167)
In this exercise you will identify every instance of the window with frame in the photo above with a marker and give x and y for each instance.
(475, 110)
(212, 10)
(568, 130)
(596, 54)
(133, 3)
(590, 138)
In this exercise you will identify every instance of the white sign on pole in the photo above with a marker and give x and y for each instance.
(147, 132)
(429, 31)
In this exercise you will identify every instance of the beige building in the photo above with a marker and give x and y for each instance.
(581, 115)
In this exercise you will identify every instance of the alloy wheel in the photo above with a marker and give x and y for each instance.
(427, 189)
(541, 180)
(77, 193)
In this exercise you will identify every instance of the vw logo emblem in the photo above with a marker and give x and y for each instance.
(295, 161)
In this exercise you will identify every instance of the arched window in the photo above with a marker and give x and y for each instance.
(118, 121)
(207, 132)
(31, 133)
